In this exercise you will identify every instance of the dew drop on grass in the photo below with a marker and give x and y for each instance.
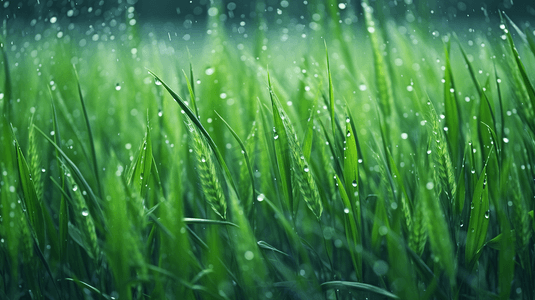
(157, 82)
(160, 113)
(306, 169)
(404, 136)
(260, 197)
(346, 210)
(348, 120)
(348, 134)
(487, 214)
(117, 87)
(209, 71)
(354, 183)
(85, 212)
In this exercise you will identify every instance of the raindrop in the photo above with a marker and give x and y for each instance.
(346, 210)
(85, 212)
(260, 197)
(209, 71)
(487, 214)
(306, 169)
(348, 134)
(354, 183)
(157, 82)
(117, 87)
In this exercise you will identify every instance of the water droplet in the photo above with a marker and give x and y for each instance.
(157, 82)
(487, 214)
(354, 183)
(85, 212)
(348, 133)
(260, 197)
(117, 87)
(160, 113)
(428, 151)
(276, 136)
(209, 71)
(75, 188)
(306, 169)
(249, 255)
(203, 159)
(346, 210)
(348, 120)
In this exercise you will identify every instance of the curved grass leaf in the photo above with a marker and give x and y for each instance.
(479, 221)
(209, 222)
(363, 287)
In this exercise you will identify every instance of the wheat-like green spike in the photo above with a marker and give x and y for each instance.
(83, 218)
(34, 161)
(208, 176)
(27, 240)
(442, 159)
(301, 170)
(418, 233)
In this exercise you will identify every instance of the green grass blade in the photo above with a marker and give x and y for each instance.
(452, 112)
(244, 152)
(299, 166)
(95, 208)
(479, 221)
(209, 222)
(352, 225)
(191, 91)
(32, 204)
(140, 172)
(201, 128)
(358, 286)
(267, 246)
(331, 91)
(283, 152)
(90, 136)
(8, 89)
(520, 66)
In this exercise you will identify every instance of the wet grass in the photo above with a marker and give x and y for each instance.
(391, 163)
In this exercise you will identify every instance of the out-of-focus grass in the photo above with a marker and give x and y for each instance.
(399, 166)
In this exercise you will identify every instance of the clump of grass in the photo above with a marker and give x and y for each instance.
(400, 169)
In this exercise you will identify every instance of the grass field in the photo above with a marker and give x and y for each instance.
(365, 159)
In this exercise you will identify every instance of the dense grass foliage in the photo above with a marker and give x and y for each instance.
(382, 162)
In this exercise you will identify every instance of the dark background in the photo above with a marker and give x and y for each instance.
(169, 10)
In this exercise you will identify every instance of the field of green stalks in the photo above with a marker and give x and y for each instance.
(379, 159)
